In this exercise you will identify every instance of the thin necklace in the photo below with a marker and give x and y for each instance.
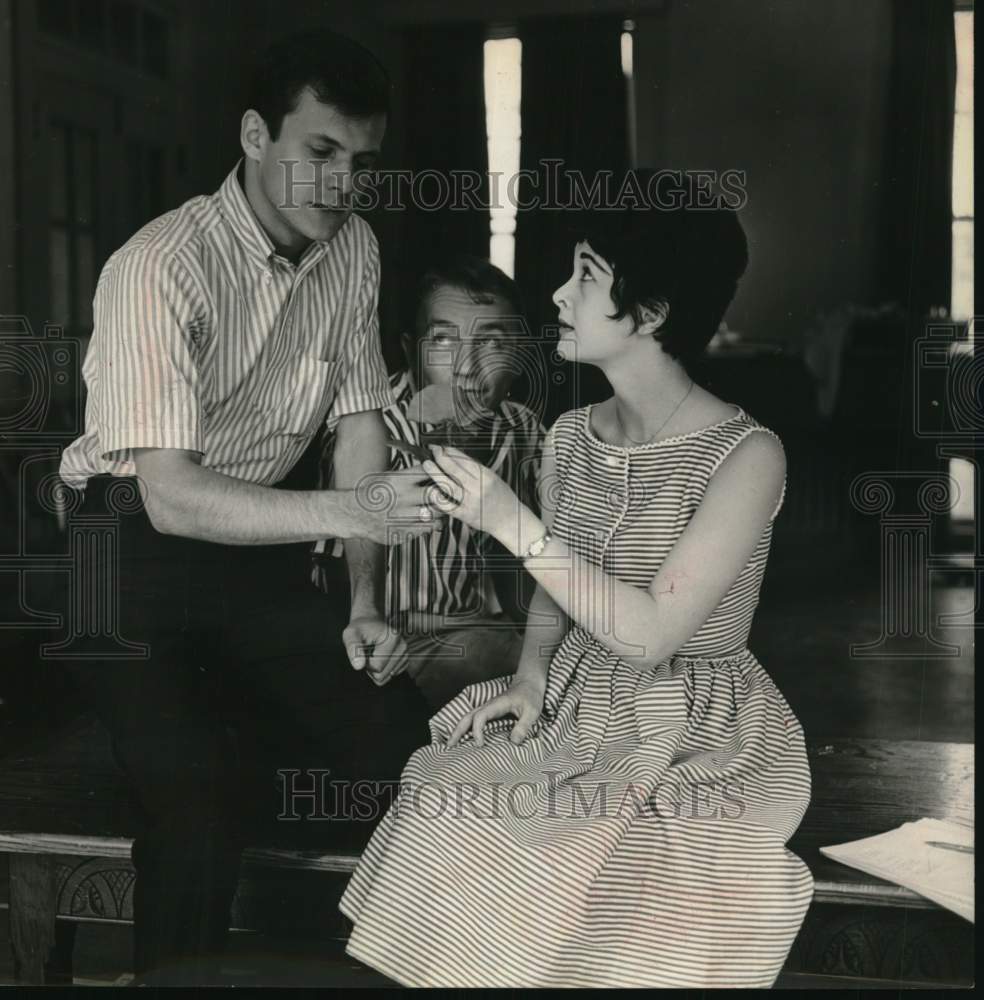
(625, 434)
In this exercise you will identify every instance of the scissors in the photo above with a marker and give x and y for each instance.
(414, 450)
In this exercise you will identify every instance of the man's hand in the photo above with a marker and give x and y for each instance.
(390, 507)
(374, 645)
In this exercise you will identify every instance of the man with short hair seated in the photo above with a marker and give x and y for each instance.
(466, 342)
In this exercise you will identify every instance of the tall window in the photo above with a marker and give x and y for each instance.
(503, 86)
(627, 44)
(503, 63)
(72, 225)
(962, 275)
(962, 295)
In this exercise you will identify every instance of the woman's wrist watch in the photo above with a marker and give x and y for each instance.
(537, 547)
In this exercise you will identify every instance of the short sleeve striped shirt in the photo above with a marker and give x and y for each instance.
(444, 573)
(205, 339)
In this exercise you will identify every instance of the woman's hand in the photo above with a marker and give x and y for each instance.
(475, 494)
(524, 699)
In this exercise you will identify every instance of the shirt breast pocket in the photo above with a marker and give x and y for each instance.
(313, 383)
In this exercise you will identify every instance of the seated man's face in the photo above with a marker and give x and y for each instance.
(469, 346)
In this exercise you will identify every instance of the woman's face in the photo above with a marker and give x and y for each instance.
(585, 307)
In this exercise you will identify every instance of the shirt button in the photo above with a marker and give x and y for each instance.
(612, 460)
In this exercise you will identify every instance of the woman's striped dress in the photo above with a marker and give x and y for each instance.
(637, 837)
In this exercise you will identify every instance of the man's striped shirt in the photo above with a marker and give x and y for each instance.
(444, 573)
(205, 339)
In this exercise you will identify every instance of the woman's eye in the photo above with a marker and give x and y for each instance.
(442, 338)
(586, 275)
(322, 154)
(492, 343)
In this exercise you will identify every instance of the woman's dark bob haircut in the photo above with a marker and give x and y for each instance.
(669, 249)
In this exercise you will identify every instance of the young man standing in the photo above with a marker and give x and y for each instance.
(227, 333)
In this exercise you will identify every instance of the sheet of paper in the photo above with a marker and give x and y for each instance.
(904, 856)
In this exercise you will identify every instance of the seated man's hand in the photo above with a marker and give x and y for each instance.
(375, 646)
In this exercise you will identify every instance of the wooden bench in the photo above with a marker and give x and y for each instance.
(861, 930)
(65, 819)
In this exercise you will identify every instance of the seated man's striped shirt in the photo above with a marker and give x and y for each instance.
(207, 340)
(444, 573)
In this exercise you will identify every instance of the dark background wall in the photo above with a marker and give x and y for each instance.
(794, 93)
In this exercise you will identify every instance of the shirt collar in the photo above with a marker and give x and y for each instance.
(402, 385)
(241, 219)
(238, 212)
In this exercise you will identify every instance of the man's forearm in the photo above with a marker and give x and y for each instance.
(207, 505)
(367, 572)
(360, 450)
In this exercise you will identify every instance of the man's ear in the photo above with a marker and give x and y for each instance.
(253, 134)
(654, 316)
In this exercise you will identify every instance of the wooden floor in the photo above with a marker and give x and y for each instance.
(810, 615)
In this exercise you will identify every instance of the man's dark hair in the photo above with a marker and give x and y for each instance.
(669, 249)
(476, 276)
(340, 71)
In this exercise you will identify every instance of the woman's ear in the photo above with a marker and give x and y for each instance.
(654, 315)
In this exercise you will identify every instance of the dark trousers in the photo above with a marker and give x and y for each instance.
(246, 677)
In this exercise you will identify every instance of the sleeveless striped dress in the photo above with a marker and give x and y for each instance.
(637, 836)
